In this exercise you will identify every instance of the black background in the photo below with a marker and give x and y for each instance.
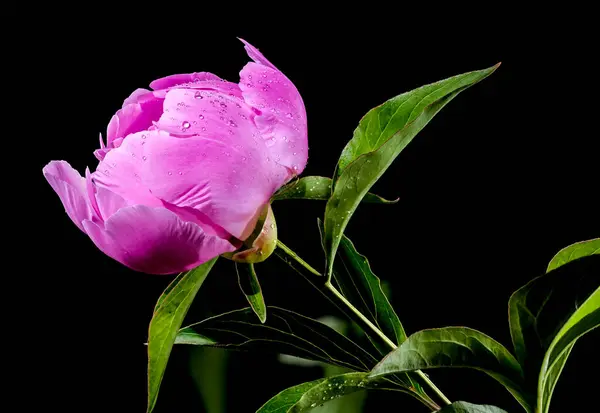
(489, 191)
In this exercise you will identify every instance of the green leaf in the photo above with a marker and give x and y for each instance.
(540, 309)
(553, 375)
(380, 137)
(573, 252)
(250, 286)
(284, 332)
(464, 407)
(583, 320)
(306, 396)
(318, 188)
(169, 313)
(362, 288)
(456, 347)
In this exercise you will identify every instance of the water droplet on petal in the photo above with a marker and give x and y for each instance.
(185, 125)
(180, 173)
(170, 173)
(289, 115)
(144, 158)
(143, 136)
(203, 129)
(201, 116)
(272, 226)
(223, 105)
(244, 158)
(198, 95)
(133, 154)
(232, 123)
(313, 405)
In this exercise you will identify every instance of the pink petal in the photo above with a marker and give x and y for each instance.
(199, 81)
(257, 56)
(227, 177)
(71, 189)
(120, 170)
(282, 118)
(155, 240)
(194, 112)
(134, 117)
(108, 202)
(175, 80)
(136, 96)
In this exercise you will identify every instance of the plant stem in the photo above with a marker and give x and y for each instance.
(338, 298)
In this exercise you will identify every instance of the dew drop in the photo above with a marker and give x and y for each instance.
(324, 398)
(144, 158)
(223, 105)
(203, 129)
(185, 125)
(266, 88)
(133, 154)
(285, 138)
(106, 172)
(143, 136)
(244, 158)
(198, 95)
(313, 405)
(201, 116)
(289, 115)
(232, 123)
(294, 153)
(180, 173)
(272, 226)
(170, 173)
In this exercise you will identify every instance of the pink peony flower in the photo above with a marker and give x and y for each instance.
(188, 167)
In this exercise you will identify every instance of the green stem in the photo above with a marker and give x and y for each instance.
(340, 299)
